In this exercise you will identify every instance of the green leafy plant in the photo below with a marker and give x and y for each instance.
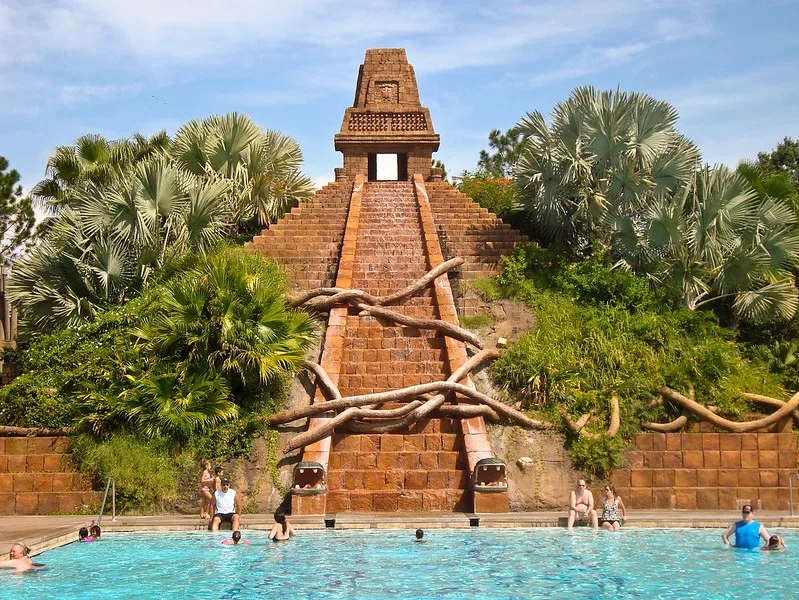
(476, 322)
(145, 473)
(497, 194)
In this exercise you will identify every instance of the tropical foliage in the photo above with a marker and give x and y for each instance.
(601, 331)
(126, 208)
(611, 172)
(93, 161)
(16, 216)
(260, 168)
(497, 194)
(193, 352)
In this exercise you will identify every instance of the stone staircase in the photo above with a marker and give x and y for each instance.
(307, 241)
(37, 477)
(422, 468)
(381, 237)
(470, 231)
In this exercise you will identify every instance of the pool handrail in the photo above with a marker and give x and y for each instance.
(113, 485)
(790, 489)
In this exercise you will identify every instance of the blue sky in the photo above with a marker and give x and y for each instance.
(115, 67)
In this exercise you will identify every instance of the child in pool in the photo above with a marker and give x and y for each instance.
(775, 542)
(83, 535)
(236, 540)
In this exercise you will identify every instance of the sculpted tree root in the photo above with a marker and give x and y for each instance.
(576, 427)
(370, 305)
(704, 413)
(337, 295)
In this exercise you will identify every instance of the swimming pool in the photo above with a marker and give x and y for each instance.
(381, 564)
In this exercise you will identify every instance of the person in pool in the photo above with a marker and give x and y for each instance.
(748, 532)
(95, 532)
(18, 558)
(83, 535)
(775, 542)
(419, 535)
(236, 540)
(282, 529)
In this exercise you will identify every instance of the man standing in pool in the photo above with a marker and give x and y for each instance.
(748, 532)
(228, 507)
(581, 505)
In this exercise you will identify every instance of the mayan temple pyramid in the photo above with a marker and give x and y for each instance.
(381, 236)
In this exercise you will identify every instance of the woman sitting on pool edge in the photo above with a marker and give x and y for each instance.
(610, 510)
(282, 529)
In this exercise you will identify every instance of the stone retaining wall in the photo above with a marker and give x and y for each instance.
(714, 471)
(37, 477)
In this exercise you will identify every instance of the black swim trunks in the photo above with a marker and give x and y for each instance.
(225, 517)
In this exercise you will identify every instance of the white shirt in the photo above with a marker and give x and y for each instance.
(225, 501)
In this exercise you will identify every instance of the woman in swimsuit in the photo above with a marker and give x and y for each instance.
(282, 529)
(206, 498)
(610, 510)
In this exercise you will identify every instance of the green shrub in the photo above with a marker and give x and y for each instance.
(30, 401)
(496, 194)
(476, 322)
(145, 474)
(597, 457)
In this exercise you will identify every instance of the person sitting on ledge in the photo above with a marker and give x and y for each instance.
(228, 507)
(581, 505)
(748, 532)
(18, 558)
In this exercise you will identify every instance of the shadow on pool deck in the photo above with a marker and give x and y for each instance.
(45, 532)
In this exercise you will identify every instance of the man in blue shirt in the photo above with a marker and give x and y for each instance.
(748, 532)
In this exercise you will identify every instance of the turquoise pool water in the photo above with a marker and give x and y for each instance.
(381, 564)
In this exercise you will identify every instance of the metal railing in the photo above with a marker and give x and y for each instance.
(113, 486)
(790, 489)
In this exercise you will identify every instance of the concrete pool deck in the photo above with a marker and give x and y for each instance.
(45, 532)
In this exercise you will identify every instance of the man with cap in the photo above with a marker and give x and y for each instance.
(228, 507)
(748, 532)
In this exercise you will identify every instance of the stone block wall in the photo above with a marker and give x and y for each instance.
(37, 477)
(713, 471)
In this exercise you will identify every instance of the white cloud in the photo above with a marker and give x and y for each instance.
(322, 180)
(88, 92)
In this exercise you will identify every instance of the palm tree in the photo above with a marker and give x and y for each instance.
(604, 153)
(105, 245)
(229, 312)
(92, 160)
(261, 167)
(716, 240)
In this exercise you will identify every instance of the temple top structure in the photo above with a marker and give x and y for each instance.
(386, 118)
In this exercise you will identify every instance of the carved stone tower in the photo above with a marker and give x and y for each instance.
(387, 118)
